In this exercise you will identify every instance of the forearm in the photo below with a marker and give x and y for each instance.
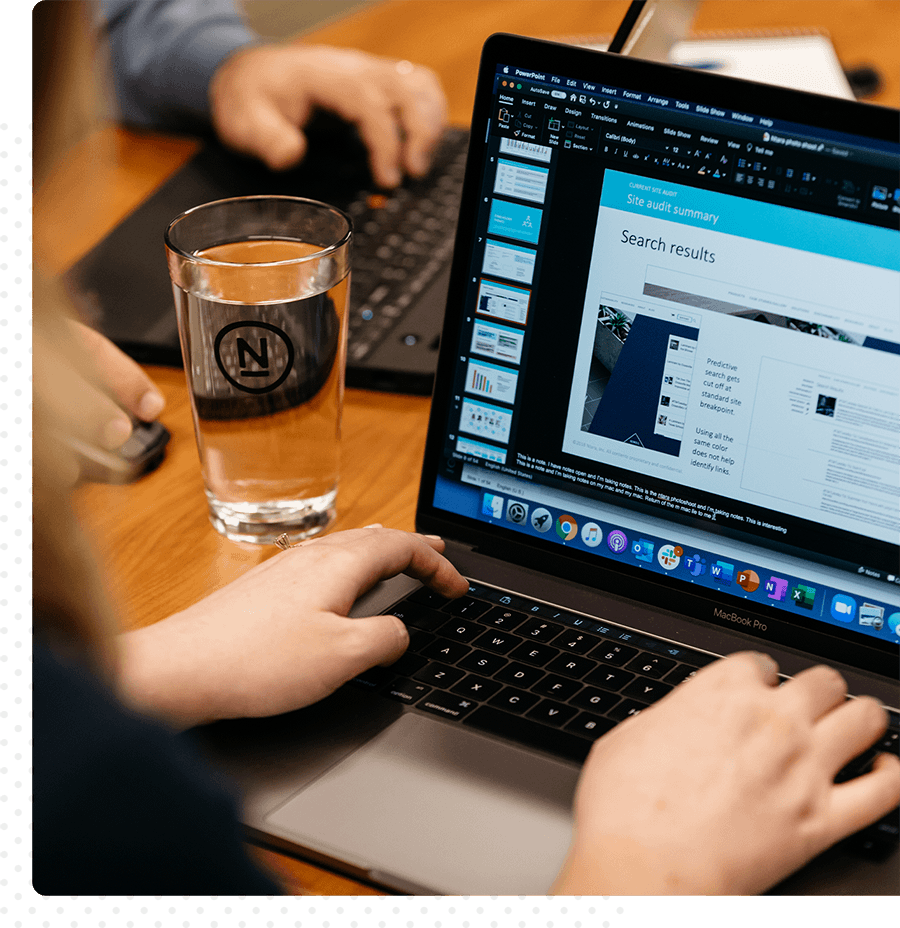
(165, 672)
(164, 54)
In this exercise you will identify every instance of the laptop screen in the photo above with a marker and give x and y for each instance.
(675, 339)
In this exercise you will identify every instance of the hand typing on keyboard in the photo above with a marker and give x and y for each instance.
(277, 638)
(726, 785)
(263, 95)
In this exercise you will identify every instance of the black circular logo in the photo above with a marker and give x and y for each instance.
(254, 356)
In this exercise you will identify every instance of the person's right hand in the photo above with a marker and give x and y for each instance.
(262, 96)
(726, 785)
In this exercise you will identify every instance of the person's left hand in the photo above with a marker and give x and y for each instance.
(262, 96)
(278, 638)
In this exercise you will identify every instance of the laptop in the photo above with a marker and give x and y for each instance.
(664, 429)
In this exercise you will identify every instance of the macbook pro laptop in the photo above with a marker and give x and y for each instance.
(664, 429)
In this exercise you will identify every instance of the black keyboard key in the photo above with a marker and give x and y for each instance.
(467, 608)
(442, 649)
(615, 654)
(650, 665)
(609, 678)
(646, 689)
(513, 700)
(597, 701)
(498, 642)
(475, 687)
(626, 708)
(533, 653)
(423, 595)
(373, 679)
(591, 726)
(447, 705)
(519, 675)
(576, 642)
(499, 617)
(552, 713)
(537, 630)
(680, 673)
(572, 665)
(412, 614)
(438, 675)
(407, 664)
(460, 630)
(534, 734)
(557, 687)
(419, 639)
(407, 691)
(482, 662)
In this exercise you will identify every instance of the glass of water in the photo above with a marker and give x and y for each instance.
(261, 288)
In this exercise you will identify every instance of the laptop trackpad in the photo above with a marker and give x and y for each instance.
(430, 807)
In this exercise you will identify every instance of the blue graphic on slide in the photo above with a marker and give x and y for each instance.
(628, 408)
(515, 221)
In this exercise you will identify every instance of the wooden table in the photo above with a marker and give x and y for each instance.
(147, 532)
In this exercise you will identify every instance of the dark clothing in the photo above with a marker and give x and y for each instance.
(122, 805)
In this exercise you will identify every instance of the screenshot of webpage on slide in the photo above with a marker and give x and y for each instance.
(776, 388)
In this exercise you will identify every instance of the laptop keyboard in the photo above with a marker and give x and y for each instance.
(402, 241)
(551, 679)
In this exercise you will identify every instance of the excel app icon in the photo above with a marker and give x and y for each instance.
(803, 596)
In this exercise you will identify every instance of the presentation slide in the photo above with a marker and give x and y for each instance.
(522, 181)
(502, 302)
(512, 220)
(497, 341)
(526, 149)
(480, 450)
(509, 261)
(485, 421)
(783, 389)
(494, 382)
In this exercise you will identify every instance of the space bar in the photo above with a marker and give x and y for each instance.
(531, 733)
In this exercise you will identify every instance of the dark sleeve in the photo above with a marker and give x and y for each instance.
(123, 806)
(164, 54)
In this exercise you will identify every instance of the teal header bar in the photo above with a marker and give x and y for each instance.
(764, 222)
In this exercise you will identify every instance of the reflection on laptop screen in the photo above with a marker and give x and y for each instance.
(680, 348)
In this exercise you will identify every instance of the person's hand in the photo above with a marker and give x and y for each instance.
(87, 386)
(278, 638)
(262, 96)
(121, 387)
(726, 785)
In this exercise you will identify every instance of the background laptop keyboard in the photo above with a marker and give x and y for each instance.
(401, 242)
(552, 679)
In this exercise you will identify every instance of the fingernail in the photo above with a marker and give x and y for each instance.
(116, 433)
(433, 537)
(392, 177)
(420, 164)
(767, 663)
(374, 525)
(151, 405)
